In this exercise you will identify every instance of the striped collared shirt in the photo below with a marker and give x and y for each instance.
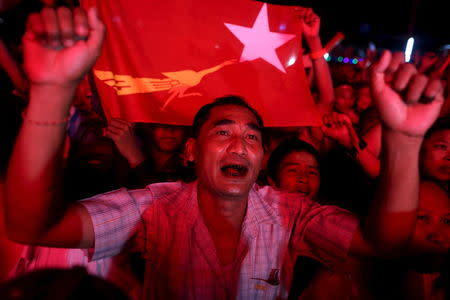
(163, 222)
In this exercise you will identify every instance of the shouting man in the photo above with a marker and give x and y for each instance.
(222, 236)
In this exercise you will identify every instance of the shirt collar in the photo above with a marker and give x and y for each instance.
(259, 209)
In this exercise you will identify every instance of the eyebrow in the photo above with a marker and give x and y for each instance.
(296, 164)
(251, 125)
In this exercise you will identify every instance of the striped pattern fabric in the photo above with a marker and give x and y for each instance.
(163, 222)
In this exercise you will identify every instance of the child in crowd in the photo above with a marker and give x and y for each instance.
(294, 167)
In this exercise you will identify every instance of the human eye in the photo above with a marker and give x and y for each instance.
(253, 137)
(446, 221)
(313, 172)
(440, 146)
(290, 170)
(423, 217)
(223, 132)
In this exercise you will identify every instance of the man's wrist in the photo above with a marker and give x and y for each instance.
(398, 140)
(50, 101)
(314, 43)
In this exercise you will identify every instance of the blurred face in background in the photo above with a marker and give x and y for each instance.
(299, 173)
(432, 231)
(364, 99)
(168, 138)
(435, 159)
(345, 98)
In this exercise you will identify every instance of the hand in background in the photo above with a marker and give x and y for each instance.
(339, 127)
(309, 21)
(121, 132)
(413, 102)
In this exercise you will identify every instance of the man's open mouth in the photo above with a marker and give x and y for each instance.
(234, 170)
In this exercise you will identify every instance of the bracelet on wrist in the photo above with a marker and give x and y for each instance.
(44, 122)
(318, 54)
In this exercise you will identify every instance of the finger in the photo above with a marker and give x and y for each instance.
(114, 131)
(80, 23)
(35, 27)
(123, 122)
(97, 31)
(66, 25)
(345, 120)
(120, 124)
(433, 91)
(377, 71)
(51, 25)
(403, 76)
(117, 127)
(300, 11)
(397, 59)
(336, 120)
(416, 88)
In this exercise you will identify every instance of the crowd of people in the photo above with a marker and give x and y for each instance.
(226, 208)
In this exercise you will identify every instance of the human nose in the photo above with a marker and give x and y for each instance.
(237, 146)
(302, 175)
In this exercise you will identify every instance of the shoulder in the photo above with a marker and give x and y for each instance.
(163, 189)
(171, 197)
(282, 201)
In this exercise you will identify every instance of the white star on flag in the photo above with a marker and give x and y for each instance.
(259, 41)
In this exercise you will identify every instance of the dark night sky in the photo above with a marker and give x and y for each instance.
(388, 22)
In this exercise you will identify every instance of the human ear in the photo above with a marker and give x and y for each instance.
(191, 149)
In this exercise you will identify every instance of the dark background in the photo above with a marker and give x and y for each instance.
(387, 23)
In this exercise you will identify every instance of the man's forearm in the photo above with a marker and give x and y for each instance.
(35, 167)
(393, 215)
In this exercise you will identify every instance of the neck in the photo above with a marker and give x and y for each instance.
(221, 213)
(160, 158)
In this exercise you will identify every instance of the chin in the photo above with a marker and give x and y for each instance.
(234, 192)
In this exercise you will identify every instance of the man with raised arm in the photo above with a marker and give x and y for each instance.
(221, 236)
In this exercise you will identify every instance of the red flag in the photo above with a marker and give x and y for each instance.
(163, 60)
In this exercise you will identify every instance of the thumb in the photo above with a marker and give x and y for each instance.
(377, 82)
(97, 30)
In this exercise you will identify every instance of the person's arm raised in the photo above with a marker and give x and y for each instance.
(60, 46)
(405, 119)
(310, 23)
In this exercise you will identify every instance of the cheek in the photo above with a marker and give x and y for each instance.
(432, 159)
(287, 181)
(419, 235)
(315, 183)
(256, 152)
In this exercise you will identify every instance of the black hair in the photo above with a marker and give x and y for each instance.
(440, 125)
(203, 114)
(282, 150)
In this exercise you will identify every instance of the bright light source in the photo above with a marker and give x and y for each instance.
(326, 56)
(409, 48)
(291, 61)
(340, 58)
(355, 61)
(346, 60)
